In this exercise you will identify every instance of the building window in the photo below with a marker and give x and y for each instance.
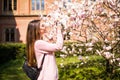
(10, 5)
(42, 5)
(69, 0)
(93, 0)
(38, 4)
(10, 34)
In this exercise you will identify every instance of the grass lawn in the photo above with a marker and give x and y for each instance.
(70, 68)
(12, 71)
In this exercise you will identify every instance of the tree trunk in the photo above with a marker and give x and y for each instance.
(109, 68)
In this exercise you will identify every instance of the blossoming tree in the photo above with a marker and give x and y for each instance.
(91, 20)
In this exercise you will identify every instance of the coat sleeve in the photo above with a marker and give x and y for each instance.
(50, 47)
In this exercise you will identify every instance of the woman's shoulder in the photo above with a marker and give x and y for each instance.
(38, 43)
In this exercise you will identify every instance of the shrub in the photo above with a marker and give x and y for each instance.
(10, 51)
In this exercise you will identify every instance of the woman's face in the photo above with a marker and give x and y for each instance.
(42, 28)
(45, 31)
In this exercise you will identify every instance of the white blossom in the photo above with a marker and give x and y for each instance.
(80, 57)
(82, 63)
(108, 48)
(108, 55)
(89, 44)
(62, 65)
(62, 55)
(89, 49)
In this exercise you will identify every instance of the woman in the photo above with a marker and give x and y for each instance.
(38, 44)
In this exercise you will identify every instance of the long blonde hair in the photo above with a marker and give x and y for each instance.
(33, 34)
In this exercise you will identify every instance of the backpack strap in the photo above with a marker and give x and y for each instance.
(39, 69)
(42, 63)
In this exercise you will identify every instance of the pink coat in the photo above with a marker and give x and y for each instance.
(49, 70)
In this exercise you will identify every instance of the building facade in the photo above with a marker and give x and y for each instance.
(15, 16)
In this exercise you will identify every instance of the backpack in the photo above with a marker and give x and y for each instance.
(30, 71)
